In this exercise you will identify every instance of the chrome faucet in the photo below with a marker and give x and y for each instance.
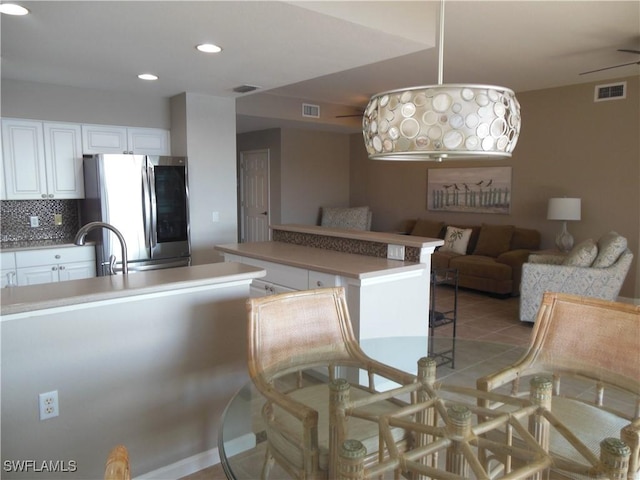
(82, 233)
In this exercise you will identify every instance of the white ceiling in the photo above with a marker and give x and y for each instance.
(332, 52)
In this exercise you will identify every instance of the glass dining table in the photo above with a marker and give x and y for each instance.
(242, 437)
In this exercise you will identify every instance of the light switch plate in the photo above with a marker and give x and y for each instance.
(34, 221)
(395, 252)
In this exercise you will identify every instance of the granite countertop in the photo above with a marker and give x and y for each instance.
(17, 300)
(38, 244)
(321, 260)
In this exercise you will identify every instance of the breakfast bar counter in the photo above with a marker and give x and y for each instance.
(148, 360)
(383, 295)
(16, 300)
(321, 260)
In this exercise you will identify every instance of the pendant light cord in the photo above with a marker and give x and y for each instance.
(441, 44)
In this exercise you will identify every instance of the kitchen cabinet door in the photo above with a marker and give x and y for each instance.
(63, 159)
(49, 265)
(114, 139)
(148, 141)
(41, 160)
(76, 271)
(23, 159)
(8, 270)
(37, 275)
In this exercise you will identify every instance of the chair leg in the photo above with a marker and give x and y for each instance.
(269, 461)
(614, 458)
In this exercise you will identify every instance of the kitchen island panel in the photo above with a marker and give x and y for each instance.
(152, 370)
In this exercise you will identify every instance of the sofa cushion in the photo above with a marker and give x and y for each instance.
(353, 218)
(427, 228)
(481, 266)
(525, 239)
(473, 239)
(456, 240)
(610, 247)
(494, 240)
(582, 255)
(440, 260)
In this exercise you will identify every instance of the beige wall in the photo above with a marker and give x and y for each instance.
(569, 146)
(151, 372)
(309, 169)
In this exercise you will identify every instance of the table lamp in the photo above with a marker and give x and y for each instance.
(564, 209)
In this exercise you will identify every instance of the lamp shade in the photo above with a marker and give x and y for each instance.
(449, 121)
(563, 209)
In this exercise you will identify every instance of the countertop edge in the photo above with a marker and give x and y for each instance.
(19, 300)
(366, 235)
(386, 266)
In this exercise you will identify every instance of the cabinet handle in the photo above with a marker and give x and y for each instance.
(319, 283)
(54, 268)
(61, 267)
(57, 256)
(51, 195)
(44, 195)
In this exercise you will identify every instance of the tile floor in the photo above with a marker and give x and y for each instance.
(479, 317)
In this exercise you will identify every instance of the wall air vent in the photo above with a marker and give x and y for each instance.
(611, 91)
(245, 88)
(309, 110)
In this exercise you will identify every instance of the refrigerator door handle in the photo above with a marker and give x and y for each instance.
(153, 231)
(146, 206)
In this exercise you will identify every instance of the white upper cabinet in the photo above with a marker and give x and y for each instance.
(114, 139)
(41, 160)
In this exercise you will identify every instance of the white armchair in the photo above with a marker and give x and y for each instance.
(589, 270)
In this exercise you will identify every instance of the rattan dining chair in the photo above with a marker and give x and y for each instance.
(310, 331)
(117, 467)
(591, 347)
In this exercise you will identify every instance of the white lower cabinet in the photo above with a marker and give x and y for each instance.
(8, 269)
(50, 265)
(283, 278)
(391, 302)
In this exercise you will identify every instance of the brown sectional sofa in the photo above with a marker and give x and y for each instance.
(493, 258)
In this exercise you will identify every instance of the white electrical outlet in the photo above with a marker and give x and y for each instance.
(49, 407)
(34, 221)
(395, 252)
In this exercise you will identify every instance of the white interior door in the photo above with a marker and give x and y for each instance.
(254, 194)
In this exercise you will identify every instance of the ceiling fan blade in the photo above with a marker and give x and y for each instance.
(609, 68)
(352, 115)
(629, 51)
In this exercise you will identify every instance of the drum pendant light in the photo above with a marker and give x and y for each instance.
(443, 121)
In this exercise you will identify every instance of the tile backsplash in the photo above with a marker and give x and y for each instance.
(15, 220)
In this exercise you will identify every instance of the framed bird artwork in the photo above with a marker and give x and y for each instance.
(469, 190)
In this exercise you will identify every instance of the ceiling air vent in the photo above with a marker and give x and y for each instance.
(612, 91)
(309, 110)
(245, 88)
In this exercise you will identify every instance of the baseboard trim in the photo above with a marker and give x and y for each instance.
(200, 461)
(634, 301)
(184, 467)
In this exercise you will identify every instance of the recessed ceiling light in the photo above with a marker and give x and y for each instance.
(147, 76)
(13, 9)
(209, 48)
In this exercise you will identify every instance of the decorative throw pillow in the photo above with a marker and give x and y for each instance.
(353, 218)
(456, 240)
(582, 255)
(494, 240)
(610, 247)
(427, 228)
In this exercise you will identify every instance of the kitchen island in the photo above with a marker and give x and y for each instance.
(148, 360)
(385, 296)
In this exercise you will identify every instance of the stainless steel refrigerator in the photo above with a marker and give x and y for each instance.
(147, 199)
